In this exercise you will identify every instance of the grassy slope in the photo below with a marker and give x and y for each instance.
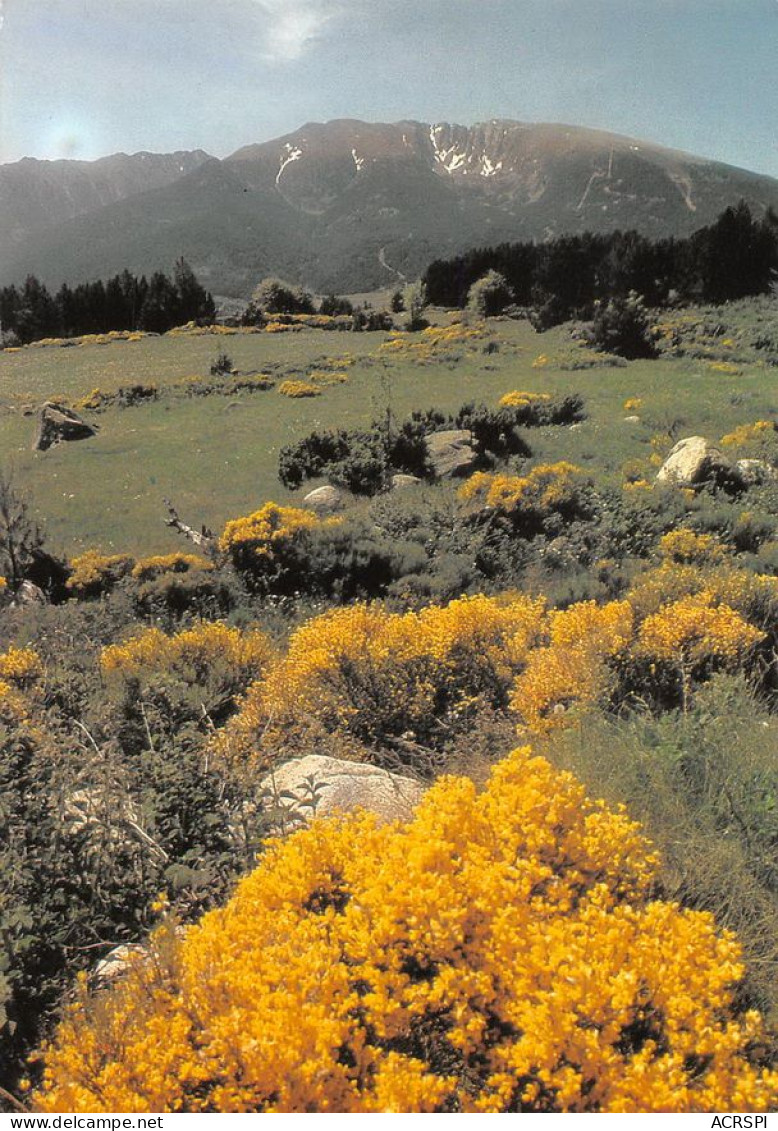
(216, 456)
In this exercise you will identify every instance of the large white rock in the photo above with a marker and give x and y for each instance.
(695, 461)
(338, 786)
(325, 500)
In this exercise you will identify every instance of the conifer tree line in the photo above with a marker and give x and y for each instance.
(730, 259)
(124, 302)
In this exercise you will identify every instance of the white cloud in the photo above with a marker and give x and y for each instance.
(293, 25)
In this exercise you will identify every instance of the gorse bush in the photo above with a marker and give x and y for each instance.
(538, 410)
(287, 551)
(577, 666)
(257, 541)
(94, 574)
(299, 389)
(146, 569)
(529, 500)
(376, 676)
(383, 678)
(210, 663)
(500, 953)
(169, 587)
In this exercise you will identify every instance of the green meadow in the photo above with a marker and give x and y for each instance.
(215, 456)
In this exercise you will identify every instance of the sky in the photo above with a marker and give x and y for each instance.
(85, 78)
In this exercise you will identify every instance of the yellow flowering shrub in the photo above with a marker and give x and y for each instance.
(754, 596)
(518, 399)
(546, 488)
(327, 377)
(434, 343)
(366, 672)
(500, 952)
(694, 633)
(632, 404)
(14, 705)
(660, 586)
(147, 568)
(94, 573)
(21, 670)
(299, 389)
(725, 367)
(557, 679)
(684, 546)
(456, 332)
(605, 628)
(216, 661)
(254, 542)
(748, 435)
(20, 666)
(94, 400)
(576, 667)
(259, 532)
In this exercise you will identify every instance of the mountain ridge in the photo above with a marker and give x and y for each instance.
(352, 205)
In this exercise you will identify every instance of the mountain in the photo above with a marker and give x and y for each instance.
(350, 205)
(35, 195)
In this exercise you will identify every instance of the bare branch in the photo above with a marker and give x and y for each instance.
(202, 537)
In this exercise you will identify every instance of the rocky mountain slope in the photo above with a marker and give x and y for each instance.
(350, 205)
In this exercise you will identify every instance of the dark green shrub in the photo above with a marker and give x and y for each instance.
(360, 461)
(310, 457)
(494, 431)
(489, 295)
(334, 305)
(170, 597)
(372, 320)
(541, 414)
(549, 311)
(274, 296)
(222, 365)
(365, 468)
(622, 327)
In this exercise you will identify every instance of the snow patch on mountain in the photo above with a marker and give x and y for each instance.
(489, 168)
(454, 158)
(293, 153)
